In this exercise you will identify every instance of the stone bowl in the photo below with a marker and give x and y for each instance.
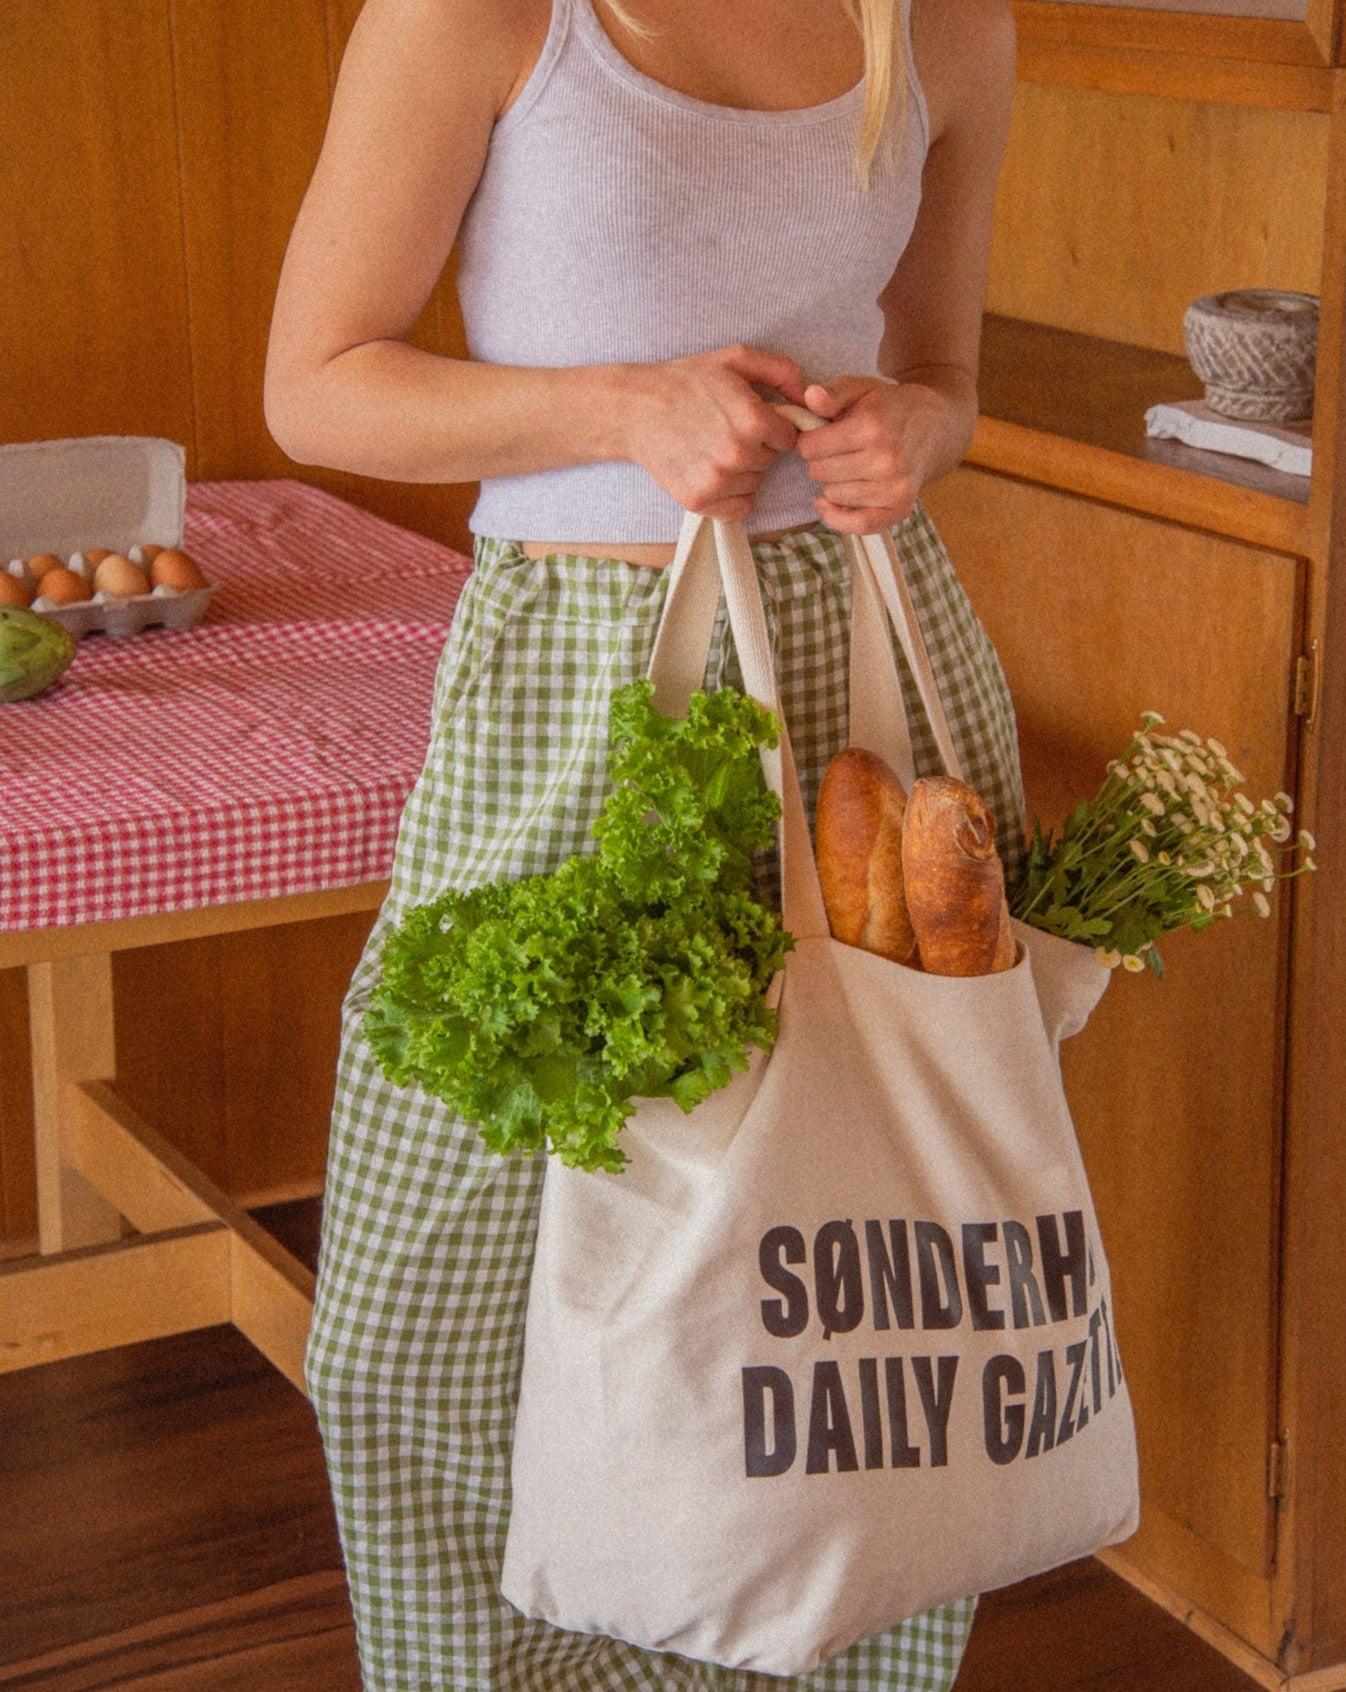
(1255, 349)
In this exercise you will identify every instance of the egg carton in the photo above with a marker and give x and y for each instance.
(120, 614)
(120, 492)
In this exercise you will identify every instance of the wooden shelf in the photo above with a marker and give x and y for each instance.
(1272, 62)
(1068, 410)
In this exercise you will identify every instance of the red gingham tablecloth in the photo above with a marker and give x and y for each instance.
(269, 750)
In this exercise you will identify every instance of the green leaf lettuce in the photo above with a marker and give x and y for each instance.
(539, 1009)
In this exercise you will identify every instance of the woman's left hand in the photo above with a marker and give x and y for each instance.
(882, 443)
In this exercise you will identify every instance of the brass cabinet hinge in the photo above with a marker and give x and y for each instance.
(1308, 684)
(1276, 1469)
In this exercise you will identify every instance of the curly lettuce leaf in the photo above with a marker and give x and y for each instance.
(689, 804)
(539, 1009)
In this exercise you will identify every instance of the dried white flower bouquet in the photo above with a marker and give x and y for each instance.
(1169, 841)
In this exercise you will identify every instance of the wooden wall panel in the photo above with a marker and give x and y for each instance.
(93, 318)
(432, 509)
(153, 154)
(172, 1040)
(1115, 210)
(18, 1205)
(228, 1046)
(284, 987)
(254, 83)
(1313, 1561)
(1175, 1084)
(252, 92)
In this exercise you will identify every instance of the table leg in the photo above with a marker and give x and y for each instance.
(73, 1039)
(195, 1258)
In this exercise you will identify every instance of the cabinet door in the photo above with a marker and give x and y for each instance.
(1175, 1085)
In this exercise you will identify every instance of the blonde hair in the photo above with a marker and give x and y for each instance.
(878, 24)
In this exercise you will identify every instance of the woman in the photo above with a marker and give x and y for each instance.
(665, 216)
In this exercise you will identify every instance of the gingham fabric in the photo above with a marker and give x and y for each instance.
(427, 1238)
(269, 750)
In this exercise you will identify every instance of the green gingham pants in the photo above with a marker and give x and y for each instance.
(427, 1238)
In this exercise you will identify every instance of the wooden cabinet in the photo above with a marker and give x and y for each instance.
(1156, 156)
(1097, 613)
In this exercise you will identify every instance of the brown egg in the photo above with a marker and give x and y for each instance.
(150, 551)
(118, 576)
(41, 562)
(95, 556)
(63, 587)
(174, 569)
(13, 590)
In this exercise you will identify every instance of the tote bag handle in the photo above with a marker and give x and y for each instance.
(714, 554)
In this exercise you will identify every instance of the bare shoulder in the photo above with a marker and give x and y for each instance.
(966, 57)
(521, 27)
(479, 48)
(421, 85)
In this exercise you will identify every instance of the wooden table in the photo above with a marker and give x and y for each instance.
(244, 774)
(135, 1242)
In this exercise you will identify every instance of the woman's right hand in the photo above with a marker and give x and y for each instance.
(701, 430)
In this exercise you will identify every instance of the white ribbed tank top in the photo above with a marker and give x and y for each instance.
(620, 220)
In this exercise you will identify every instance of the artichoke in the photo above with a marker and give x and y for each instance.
(35, 651)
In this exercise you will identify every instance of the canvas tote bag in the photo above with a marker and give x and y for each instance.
(837, 1345)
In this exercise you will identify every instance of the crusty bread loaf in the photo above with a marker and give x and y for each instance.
(954, 880)
(858, 830)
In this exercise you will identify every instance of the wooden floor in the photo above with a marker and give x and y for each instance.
(165, 1525)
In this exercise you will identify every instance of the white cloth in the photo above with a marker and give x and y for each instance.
(1283, 446)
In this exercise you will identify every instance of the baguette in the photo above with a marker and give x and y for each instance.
(858, 830)
(954, 880)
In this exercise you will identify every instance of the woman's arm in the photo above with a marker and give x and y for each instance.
(420, 86)
(889, 436)
(933, 305)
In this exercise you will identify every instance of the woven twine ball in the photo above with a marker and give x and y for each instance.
(1254, 349)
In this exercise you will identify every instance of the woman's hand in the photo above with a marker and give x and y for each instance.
(703, 432)
(883, 442)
